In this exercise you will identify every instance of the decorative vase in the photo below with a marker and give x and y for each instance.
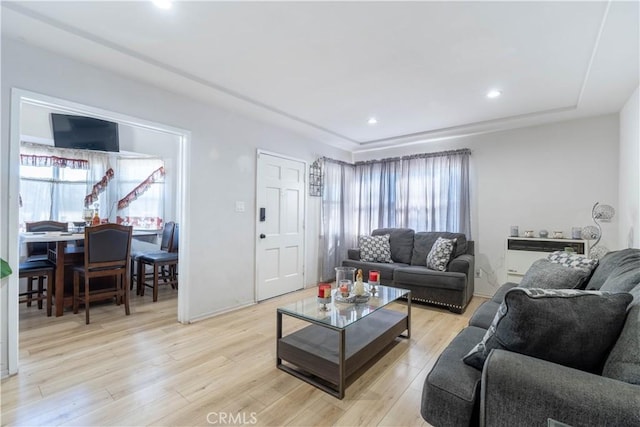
(576, 232)
(345, 275)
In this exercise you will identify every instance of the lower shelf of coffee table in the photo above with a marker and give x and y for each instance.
(314, 350)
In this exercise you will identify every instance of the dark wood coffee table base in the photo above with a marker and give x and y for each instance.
(327, 357)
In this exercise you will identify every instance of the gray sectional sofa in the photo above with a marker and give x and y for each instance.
(452, 288)
(515, 389)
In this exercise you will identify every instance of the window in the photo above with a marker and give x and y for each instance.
(139, 175)
(52, 192)
(55, 182)
(425, 192)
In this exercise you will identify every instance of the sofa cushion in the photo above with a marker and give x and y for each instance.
(440, 254)
(502, 291)
(422, 276)
(623, 278)
(569, 327)
(545, 274)
(484, 315)
(451, 391)
(353, 254)
(401, 241)
(423, 242)
(610, 262)
(375, 248)
(623, 362)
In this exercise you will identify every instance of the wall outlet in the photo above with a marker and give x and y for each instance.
(240, 206)
(478, 273)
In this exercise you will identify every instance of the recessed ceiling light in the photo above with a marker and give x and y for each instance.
(372, 120)
(493, 93)
(163, 4)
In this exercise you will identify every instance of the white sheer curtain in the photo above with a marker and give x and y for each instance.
(338, 228)
(100, 163)
(377, 185)
(434, 194)
(147, 210)
(54, 182)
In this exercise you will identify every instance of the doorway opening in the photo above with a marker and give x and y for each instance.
(23, 102)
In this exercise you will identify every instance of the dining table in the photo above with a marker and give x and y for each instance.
(58, 255)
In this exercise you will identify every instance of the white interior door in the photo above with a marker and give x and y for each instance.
(280, 225)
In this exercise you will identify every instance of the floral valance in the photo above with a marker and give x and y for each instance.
(98, 188)
(53, 161)
(141, 188)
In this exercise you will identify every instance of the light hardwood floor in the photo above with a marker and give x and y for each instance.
(147, 369)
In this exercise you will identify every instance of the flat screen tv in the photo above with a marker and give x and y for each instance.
(84, 133)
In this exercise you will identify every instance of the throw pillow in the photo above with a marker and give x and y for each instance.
(569, 327)
(572, 260)
(550, 275)
(440, 254)
(375, 248)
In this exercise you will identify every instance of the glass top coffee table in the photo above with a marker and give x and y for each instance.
(342, 339)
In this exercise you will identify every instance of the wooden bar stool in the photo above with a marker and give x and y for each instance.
(37, 270)
(165, 245)
(165, 266)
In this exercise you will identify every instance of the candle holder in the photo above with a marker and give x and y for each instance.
(324, 295)
(374, 281)
(344, 288)
(323, 303)
(373, 287)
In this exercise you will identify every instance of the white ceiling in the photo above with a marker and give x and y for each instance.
(323, 68)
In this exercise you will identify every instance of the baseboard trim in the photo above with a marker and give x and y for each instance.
(220, 312)
(482, 295)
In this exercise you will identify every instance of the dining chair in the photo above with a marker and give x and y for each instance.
(165, 244)
(164, 266)
(106, 254)
(38, 251)
(37, 270)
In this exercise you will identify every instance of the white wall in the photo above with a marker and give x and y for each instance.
(628, 211)
(222, 169)
(540, 177)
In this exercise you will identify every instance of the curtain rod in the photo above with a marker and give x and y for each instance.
(409, 157)
(338, 162)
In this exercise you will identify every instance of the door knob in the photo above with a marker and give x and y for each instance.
(262, 236)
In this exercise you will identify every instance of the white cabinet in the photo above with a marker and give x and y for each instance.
(523, 251)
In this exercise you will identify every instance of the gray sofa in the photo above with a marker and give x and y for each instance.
(514, 389)
(452, 288)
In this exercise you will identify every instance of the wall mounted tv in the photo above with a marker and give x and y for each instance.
(84, 133)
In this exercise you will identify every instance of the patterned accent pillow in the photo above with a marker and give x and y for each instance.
(440, 254)
(572, 260)
(566, 326)
(375, 248)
